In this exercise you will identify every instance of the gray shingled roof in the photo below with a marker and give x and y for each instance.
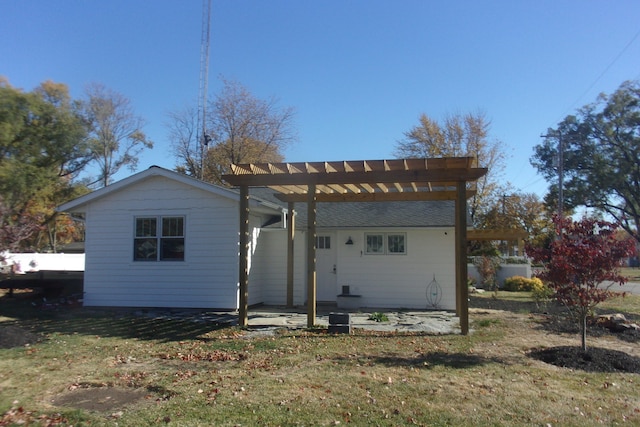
(371, 214)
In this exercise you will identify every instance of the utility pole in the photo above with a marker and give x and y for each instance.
(560, 178)
(201, 128)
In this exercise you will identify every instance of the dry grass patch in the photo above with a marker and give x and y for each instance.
(631, 273)
(627, 304)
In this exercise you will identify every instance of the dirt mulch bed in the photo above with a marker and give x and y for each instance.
(595, 359)
(100, 399)
(14, 336)
(107, 400)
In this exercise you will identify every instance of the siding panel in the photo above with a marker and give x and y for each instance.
(397, 281)
(206, 279)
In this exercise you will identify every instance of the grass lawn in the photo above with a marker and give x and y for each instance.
(632, 273)
(182, 373)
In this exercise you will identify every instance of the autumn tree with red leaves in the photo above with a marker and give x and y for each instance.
(583, 264)
(14, 229)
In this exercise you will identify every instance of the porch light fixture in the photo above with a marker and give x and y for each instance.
(349, 241)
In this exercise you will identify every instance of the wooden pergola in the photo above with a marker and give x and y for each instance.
(450, 178)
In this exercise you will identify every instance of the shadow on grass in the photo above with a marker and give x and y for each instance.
(431, 360)
(123, 323)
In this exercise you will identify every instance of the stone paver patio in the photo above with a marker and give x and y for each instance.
(272, 317)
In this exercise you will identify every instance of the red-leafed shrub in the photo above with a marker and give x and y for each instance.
(583, 264)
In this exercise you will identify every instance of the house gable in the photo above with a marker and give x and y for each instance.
(207, 277)
(79, 204)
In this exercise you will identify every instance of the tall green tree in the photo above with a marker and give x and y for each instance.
(600, 157)
(42, 129)
(42, 149)
(116, 135)
(241, 128)
(458, 135)
(521, 211)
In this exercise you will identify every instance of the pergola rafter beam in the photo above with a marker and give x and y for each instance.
(382, 187)
(368, 188)
(353, 188)
(372, 177)
(375, 197)
(338, 188)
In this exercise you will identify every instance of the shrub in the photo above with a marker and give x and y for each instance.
(587, 253)
(378, 317)
(519, 283)
(513, 283)
(542, 294)
(487, 268)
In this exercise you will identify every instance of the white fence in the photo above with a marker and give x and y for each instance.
(26, 262)
(505, 270)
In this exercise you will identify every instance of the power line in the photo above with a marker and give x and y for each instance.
(608, 67)
(532, 183)
(592, 85)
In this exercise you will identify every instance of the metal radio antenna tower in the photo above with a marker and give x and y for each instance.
(201, 128)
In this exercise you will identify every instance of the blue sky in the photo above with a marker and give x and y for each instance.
(359, 73)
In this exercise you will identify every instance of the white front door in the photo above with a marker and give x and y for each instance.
(326, 268)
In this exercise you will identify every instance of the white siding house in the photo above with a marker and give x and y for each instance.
(205, 276)
(374, 280)
(390, 277)
(386, 253)
(399, 280)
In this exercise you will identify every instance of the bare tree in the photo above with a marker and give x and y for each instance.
(116, 137)
(182, 125)
(240, 129)
(458, 135)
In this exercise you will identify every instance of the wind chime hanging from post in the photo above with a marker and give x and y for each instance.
(434, 294)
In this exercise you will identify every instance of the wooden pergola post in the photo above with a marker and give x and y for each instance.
(311, 255)
(243, 264)
(462, 291)
(291, 226)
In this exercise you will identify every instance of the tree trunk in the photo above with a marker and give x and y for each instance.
(583, 330)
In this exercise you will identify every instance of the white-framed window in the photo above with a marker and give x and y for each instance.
(323, 242)
(385, 243)
(396, 243)
(374, 244)
(159, 238)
